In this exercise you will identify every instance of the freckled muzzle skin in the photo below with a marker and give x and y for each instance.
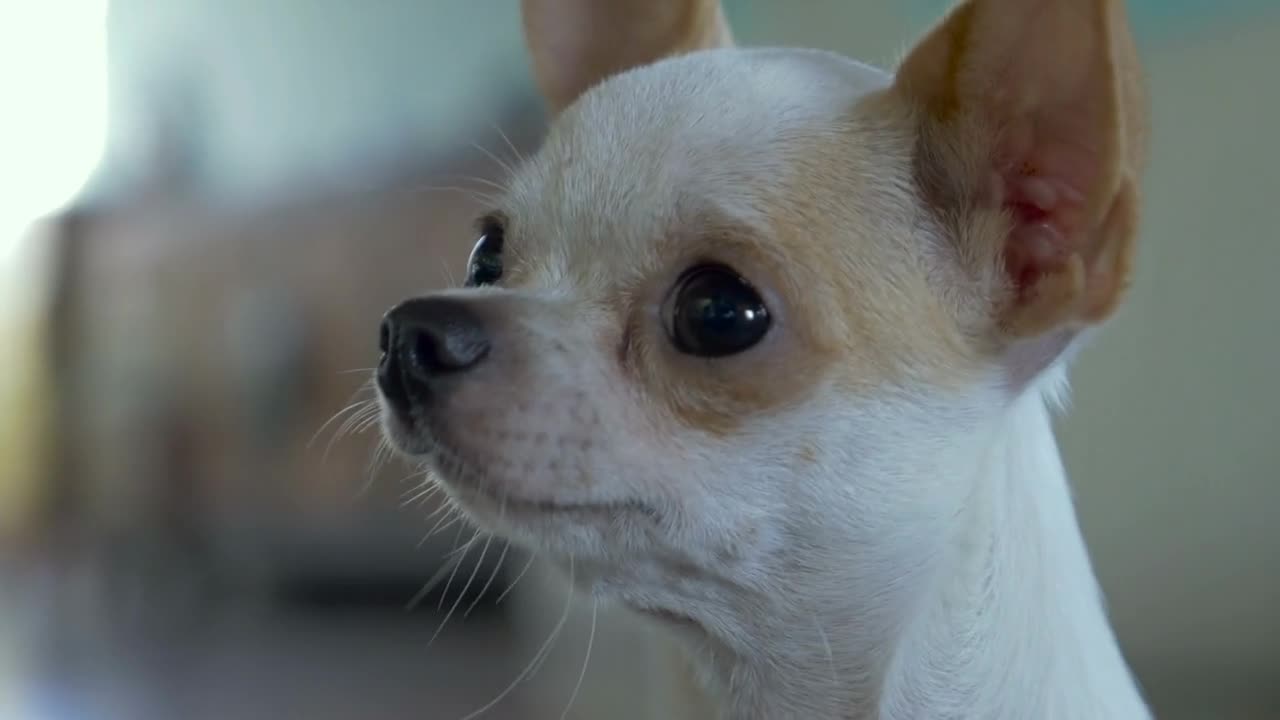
(522, 440)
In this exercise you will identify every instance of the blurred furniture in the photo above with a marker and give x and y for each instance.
(205, 359)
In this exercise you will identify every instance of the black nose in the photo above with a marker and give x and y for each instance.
(422, 341)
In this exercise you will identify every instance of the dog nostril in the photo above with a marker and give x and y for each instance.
(424, 339)
(422, 353)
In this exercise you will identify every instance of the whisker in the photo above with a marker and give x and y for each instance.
(370, 409)
(542, 650)
(333, 418)
(478, 196)
(361, 427)
(354, 371)
(475, 538)
(502, 509)
(424, 475)
(448, 273)
(543, 659)
(511, 586)
(445, 507)
(488, 583)
(507, 140)
(591, 638)
(465, 549)
(382, 454)
(421, 494)
(452, 518)
(826, 645)
(499, 187)
(506, 167)
(435, 579)
(475, 570)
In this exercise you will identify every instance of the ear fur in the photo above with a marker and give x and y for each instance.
(1031, 127)
(575, 44)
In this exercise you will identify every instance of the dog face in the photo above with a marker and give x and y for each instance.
(730, 334)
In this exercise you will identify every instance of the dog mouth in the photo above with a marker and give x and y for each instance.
(404, 432)
(477, 486)
(471, 486)
(496, 502)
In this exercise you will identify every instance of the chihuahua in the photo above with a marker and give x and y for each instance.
(762, 346)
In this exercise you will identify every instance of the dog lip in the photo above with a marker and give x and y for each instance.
(556, 507)
(672, 617)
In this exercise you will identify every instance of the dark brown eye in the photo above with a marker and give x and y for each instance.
(715, 312)
(485, 265)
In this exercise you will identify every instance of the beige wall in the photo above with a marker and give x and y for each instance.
(23, 278)
(1174, 442)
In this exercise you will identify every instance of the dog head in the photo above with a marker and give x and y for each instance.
(735, 334)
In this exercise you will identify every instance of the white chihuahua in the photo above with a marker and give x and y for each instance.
(762, 344)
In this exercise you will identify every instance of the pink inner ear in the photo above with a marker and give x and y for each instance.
(1042, 185)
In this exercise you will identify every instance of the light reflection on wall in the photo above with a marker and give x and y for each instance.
(53, 76)
(53, 86)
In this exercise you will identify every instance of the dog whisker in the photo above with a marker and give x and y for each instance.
(543, 650)
(463, 549)
(474, 571)
(519, 576)
(449, 520)
(462, 554)
(366, 409)
(447, 271)
(420, 494)
(586, 659)
(357, 371)
(826, 646)
(497, 567)
(498, 187)
(382, 454)
(510, 145)
(544, 657)
(370, 419)
(482, 198)
(444, 508)
(506, 166)
(435, 579)
(349, 408)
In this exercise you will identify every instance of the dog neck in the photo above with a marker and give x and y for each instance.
(1013, 627)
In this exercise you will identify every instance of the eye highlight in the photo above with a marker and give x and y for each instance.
(484, 267)
(714, 312)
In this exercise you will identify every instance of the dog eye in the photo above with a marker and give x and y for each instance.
(715, 312)
(485, 264)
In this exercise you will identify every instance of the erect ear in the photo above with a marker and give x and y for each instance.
(578, 43)
(1031, 122)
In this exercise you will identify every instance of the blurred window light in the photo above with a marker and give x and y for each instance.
(53, 125)
(53, 86)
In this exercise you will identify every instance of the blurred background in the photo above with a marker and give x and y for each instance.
(205, 205)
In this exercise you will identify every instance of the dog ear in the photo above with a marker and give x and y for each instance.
(578, 43)
(1031, 126)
